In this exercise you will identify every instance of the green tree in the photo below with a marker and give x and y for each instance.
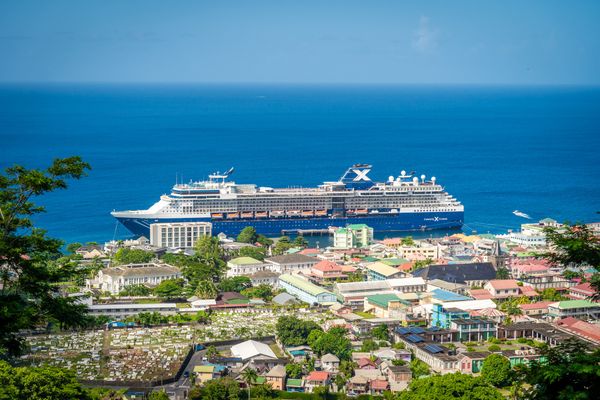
(158, 395)
(212, 352)
(30, 269)
(419, 368)
(31, 383)
(381, 332)
(369, 345)
(300, 241)
(421, 264)
(292, 331)
(135, 290)
(321, 392)
(574, 245)
(249, 376)
(132, 256)
(502, 273)
(333, 341)
(496, 370)
(262, 291)
(347, 368)
(282, 245)
(258, 253)
(216, 389)
(551, 294)
(169, 289)
(571, 371)
(235, 284)
(293, 370)
(408, 241)
(72, 247)
(450, 386)
(247, 235)
(206, 290)
(264, 241)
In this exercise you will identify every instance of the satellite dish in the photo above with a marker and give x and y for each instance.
(433, 179)
(403, 173)
(390, 178)
(422, 177)
(416, 180)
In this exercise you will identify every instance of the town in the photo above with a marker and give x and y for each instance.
(189, 312)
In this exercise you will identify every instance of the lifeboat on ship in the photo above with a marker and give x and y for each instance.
(293, 213)
(216, 215)
(233, 215)
(362, 211)
(247, 214)
(261, 214)
(308, 213)
(321, 213)
(277, 214)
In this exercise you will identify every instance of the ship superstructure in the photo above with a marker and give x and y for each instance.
(402, 203)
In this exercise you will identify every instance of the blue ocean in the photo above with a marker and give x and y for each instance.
(497, 149)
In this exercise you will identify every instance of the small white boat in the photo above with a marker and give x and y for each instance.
(521, 214)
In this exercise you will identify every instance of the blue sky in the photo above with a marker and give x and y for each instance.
(444, 42)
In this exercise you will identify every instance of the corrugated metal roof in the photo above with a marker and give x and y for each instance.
(244, 261)
(303, 284)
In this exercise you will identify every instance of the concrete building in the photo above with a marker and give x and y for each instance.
(245, 266)
(178, 235)
(276, 377)
(379, 271)
(304, 290)
(290, 263)
(474, 329)
(421, 250)
(354, 293)
(574, 308)
(114, 279)
(353, 236)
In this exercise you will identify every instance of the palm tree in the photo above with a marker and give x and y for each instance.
(249, 376)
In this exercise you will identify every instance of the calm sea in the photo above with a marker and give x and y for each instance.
(536, 150)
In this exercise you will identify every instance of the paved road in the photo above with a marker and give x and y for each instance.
(178, 390)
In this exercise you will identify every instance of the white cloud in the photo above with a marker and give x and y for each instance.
(425, 37)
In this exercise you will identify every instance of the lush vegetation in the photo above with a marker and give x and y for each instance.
(334, 341)
(132, 256)
(496, 370)
(292, 331)
(450, 386)
(32, 263)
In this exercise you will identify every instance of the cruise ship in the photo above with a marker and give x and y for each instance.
(403, 203)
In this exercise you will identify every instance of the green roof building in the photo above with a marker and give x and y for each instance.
(306, 291)
(574, 308)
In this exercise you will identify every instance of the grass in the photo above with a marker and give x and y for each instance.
(277, 350)
(365, 314)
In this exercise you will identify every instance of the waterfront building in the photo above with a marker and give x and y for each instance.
(245, 266)
(353, 236)
(178, 235)
(304, 290)
(115, 279)
(291, 263)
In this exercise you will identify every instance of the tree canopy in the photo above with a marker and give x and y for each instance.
(27, 383)
(247, 235)
(169, 289)
(32, 263)
(450, 386)
(334, 341)
(496, 370)
(293, 331)
(235, 284)
(573, 245)
(132, 256)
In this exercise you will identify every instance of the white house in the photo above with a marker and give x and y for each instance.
(114, 279)
(245, 266)
(290, 263)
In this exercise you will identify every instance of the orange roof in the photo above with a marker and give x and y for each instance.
(504, 284)
(406, 266)
(480, 294)
(584, 288)
(528, 291)
(309, 251)
(379, 384)
(348, 268)
(581, 328)
(327, 266)
(318, 376)
(392, 241)
(535, 306)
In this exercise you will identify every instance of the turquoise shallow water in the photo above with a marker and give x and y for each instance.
(535, 149)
